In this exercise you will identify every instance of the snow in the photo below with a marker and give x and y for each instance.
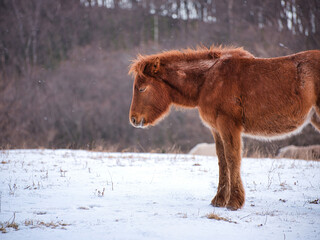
(68, 194)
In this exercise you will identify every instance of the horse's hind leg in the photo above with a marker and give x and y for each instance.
(223, 193)
(315, 119)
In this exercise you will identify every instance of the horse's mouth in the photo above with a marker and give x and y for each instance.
(141, 124)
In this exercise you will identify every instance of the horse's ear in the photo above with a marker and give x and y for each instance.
(155, 67)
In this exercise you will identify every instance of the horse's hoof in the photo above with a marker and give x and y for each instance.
(218, 201)
(233, 208)
(235, 204)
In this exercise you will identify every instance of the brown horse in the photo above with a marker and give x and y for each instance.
(235, 94)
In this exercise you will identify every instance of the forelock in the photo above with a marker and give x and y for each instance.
(137, 66)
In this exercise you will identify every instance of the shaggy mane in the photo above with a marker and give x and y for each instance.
(201, 52)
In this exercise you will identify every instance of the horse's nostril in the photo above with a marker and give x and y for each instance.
(133, 120)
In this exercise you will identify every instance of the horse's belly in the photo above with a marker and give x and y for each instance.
(276, 125)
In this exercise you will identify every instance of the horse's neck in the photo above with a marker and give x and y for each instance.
(186, 79)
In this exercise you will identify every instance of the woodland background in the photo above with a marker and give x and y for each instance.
(64, 64)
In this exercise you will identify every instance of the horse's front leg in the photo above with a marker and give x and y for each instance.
(223, 193)
(230, 134)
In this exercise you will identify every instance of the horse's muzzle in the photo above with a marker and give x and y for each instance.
(136, 123)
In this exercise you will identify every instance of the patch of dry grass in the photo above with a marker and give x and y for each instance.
(218, 218)
(53, 225)
(9, 224)
(100, 193)
(316, 201)
(83, 208)
(31, 223)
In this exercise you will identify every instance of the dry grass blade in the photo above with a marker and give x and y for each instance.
(3, 229)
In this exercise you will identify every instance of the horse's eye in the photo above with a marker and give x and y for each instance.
(142, 89)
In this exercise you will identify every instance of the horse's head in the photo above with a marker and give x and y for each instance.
(151, 99)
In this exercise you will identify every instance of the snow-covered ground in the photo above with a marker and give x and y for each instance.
(65, 194)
